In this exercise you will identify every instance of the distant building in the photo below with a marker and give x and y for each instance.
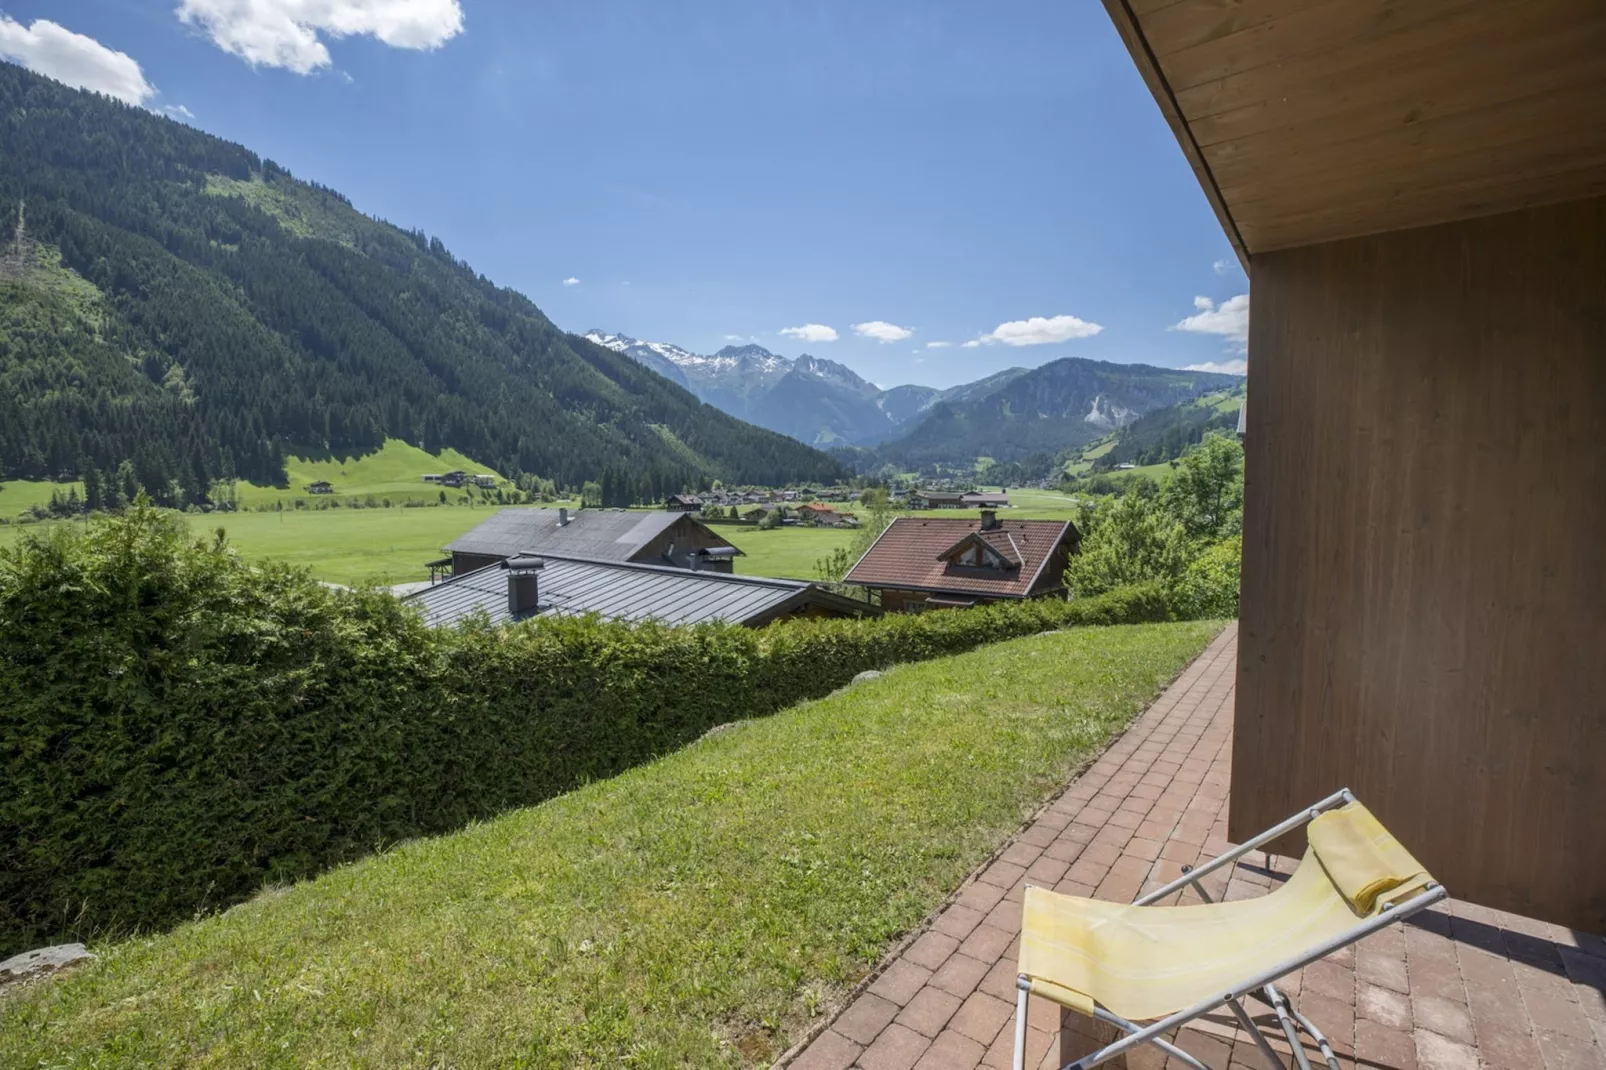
(937, 499)
(686, 503)
(525, 587)
(320, 487)
(659, 538)
(930, 563)
(986, 500)
(454, 478)
(484, 480)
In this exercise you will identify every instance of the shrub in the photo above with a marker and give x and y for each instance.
(179, 726)
(1209, 587)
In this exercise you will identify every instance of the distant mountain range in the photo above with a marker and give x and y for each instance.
(812, 399)
(1007, 415)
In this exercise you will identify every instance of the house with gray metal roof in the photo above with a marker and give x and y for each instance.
(525, 587)
(661, 537)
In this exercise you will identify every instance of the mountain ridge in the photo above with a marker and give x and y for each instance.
(182, 306)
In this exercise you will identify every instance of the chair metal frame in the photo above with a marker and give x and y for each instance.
(1262, 984)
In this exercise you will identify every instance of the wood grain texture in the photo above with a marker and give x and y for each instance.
(1423, 615)
(1309, 121)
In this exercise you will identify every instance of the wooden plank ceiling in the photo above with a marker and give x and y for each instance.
(1312, 120)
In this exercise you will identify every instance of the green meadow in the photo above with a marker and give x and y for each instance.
(389, 546)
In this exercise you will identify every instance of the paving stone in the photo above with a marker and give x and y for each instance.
(931, 950)
(897, 1048)
(1384, 971)
(1330, 979)
(952, 1051)
(1384, 1006)
(830, 1051)
(863, 1021)
(958, 921)
(1443, 1016)
(982, 1016)
(987, 943)
(1435, 1052)
(960, 975)
(1380, 1045)
(1504, 1048)
(1561, 1052)
(901, 981)
(929, 1011)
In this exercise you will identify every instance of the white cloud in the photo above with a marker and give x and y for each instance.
(286, 33)
(1037, 331)
(938, 345)
(1221, 267)
(178, 111)
(57, 52)
(972, 344)
(571, 281)
(811, 332)
(882, 331)
(1223, 367)
(1229, 319)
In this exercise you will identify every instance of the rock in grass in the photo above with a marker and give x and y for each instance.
(868, 674)
(721, 729)
(42, 961)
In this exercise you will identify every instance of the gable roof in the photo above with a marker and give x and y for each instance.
(998, 541)
(912, 554)
(601, 534)
(619, 590)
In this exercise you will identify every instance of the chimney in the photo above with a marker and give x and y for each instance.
(989, 519)
(522, 586)
(694, 560)
(563, 516)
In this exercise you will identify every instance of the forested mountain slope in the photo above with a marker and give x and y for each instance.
(1062, 404)
(173, 300)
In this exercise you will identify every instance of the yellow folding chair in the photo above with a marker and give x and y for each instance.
(1123, 964)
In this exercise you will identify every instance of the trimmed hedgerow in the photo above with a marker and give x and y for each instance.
(179, 727)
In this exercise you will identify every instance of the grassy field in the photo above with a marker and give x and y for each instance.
(396, 472)
(17, 495)
(387, 546)
(787, 552)
(697, 911)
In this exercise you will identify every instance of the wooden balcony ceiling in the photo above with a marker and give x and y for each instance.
(1312, 120)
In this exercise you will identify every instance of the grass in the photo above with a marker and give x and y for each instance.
(17, 495)
(395, 471)
(786, 552)
(349, 546)
(692, 912)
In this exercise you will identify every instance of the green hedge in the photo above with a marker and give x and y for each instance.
(179, 727)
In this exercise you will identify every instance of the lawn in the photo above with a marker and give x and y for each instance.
(696, 911)
(394, 471)
(784, 551)
(16, 495)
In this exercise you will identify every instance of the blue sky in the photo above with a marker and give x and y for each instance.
(712, 170)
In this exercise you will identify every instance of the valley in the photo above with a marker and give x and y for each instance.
(1008, 415)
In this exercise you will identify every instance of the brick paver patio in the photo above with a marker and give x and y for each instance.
(1457, 988)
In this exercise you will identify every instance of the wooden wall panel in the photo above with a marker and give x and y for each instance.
(1424, 589)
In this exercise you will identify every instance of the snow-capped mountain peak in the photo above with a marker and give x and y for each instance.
(623, 343)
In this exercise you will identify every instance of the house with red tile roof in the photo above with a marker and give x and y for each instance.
(936, 562)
